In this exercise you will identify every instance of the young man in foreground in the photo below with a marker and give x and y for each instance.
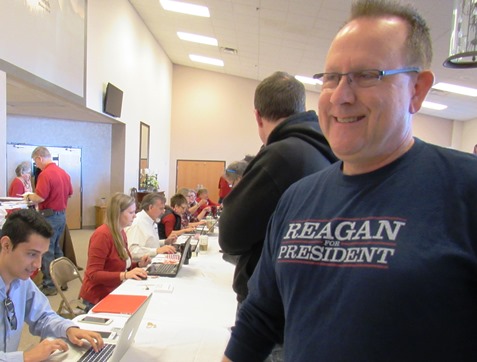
(25, 237)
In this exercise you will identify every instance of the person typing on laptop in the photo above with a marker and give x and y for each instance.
(143, 236)
(109, 260)
(25, 237)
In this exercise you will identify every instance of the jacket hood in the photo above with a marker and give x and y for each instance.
(304, 126)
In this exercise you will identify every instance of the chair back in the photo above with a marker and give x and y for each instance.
(63, 271)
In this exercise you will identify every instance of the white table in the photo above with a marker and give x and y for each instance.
(191, 323)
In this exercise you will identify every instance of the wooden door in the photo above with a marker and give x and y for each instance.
(194, 174)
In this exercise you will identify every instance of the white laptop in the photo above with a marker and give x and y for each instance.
(113, 351)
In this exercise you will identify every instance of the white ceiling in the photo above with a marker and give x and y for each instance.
(269, 35)
(293, 36)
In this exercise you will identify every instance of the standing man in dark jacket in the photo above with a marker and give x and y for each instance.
(294, 147)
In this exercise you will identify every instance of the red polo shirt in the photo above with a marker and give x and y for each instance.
(54, 186)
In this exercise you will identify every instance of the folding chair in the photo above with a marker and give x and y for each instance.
(63, 271)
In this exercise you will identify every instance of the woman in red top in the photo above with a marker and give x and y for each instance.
(109, 260)
(21, 183)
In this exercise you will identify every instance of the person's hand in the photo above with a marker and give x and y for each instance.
(78, 336)
(44, 349)
(171, 239)
(208, 208)
(166, 249)
(202, 202)
(136, 273)
(145, 261)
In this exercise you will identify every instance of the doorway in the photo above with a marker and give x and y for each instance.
(204, 174)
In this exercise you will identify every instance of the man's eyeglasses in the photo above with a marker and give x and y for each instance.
(362, 78)
(10, 312)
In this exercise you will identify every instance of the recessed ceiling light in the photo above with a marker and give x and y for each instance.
(197, 38)
(432, 105)
(206, 60)
(308, 80)
(185, 8)
(466, 91)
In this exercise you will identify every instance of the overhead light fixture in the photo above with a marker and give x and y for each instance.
(432, 105)
(185, 8)
(463, 42)
(452, 88)
(308, 80)
(206, 60)
(201, 39)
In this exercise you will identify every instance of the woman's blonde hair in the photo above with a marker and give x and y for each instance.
(117, 204)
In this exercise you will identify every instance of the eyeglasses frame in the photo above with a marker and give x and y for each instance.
(382, 73)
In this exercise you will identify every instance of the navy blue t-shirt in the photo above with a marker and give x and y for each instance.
(374, 267)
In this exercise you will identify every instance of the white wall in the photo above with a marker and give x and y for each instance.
(433, 129)
(122, 51)
(212, 118)
(469, 136)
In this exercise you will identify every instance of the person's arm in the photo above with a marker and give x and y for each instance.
(138, 238)
(34, 198)
(260, 323)
(16, 188)
(202, 214)
(100, 249)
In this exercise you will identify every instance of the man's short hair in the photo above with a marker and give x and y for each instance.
(418, 43)
(279, 96)
(151, 199)
(41, 151)
(20, 224)
(178, 200)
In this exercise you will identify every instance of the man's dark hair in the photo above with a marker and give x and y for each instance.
(178, 199)
(20, 224)
(418, 44)
(151, 199)
(279, 96)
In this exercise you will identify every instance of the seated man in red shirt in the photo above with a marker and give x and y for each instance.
(171, 219)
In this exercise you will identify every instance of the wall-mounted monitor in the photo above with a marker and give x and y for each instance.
(113, 100)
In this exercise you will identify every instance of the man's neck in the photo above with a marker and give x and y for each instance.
(7, 280)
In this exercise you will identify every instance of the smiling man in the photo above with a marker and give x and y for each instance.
(374, 258)
(25, 237)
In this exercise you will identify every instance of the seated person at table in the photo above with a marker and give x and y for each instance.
(21, 183)
(171, 221)
(203, 199)
(187, 219)
(25, 237)
(143, 237)
(109, 260)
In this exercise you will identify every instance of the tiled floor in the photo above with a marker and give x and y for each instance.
(80, 241)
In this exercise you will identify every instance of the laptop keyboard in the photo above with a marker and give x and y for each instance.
(103, 355)
(162, 268)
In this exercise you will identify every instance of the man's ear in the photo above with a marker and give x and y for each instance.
(6, 243)
(258, 118)
(424, 82)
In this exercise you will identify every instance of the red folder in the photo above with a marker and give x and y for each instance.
(119, 303)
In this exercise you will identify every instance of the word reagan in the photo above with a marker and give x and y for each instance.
(348, 230)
